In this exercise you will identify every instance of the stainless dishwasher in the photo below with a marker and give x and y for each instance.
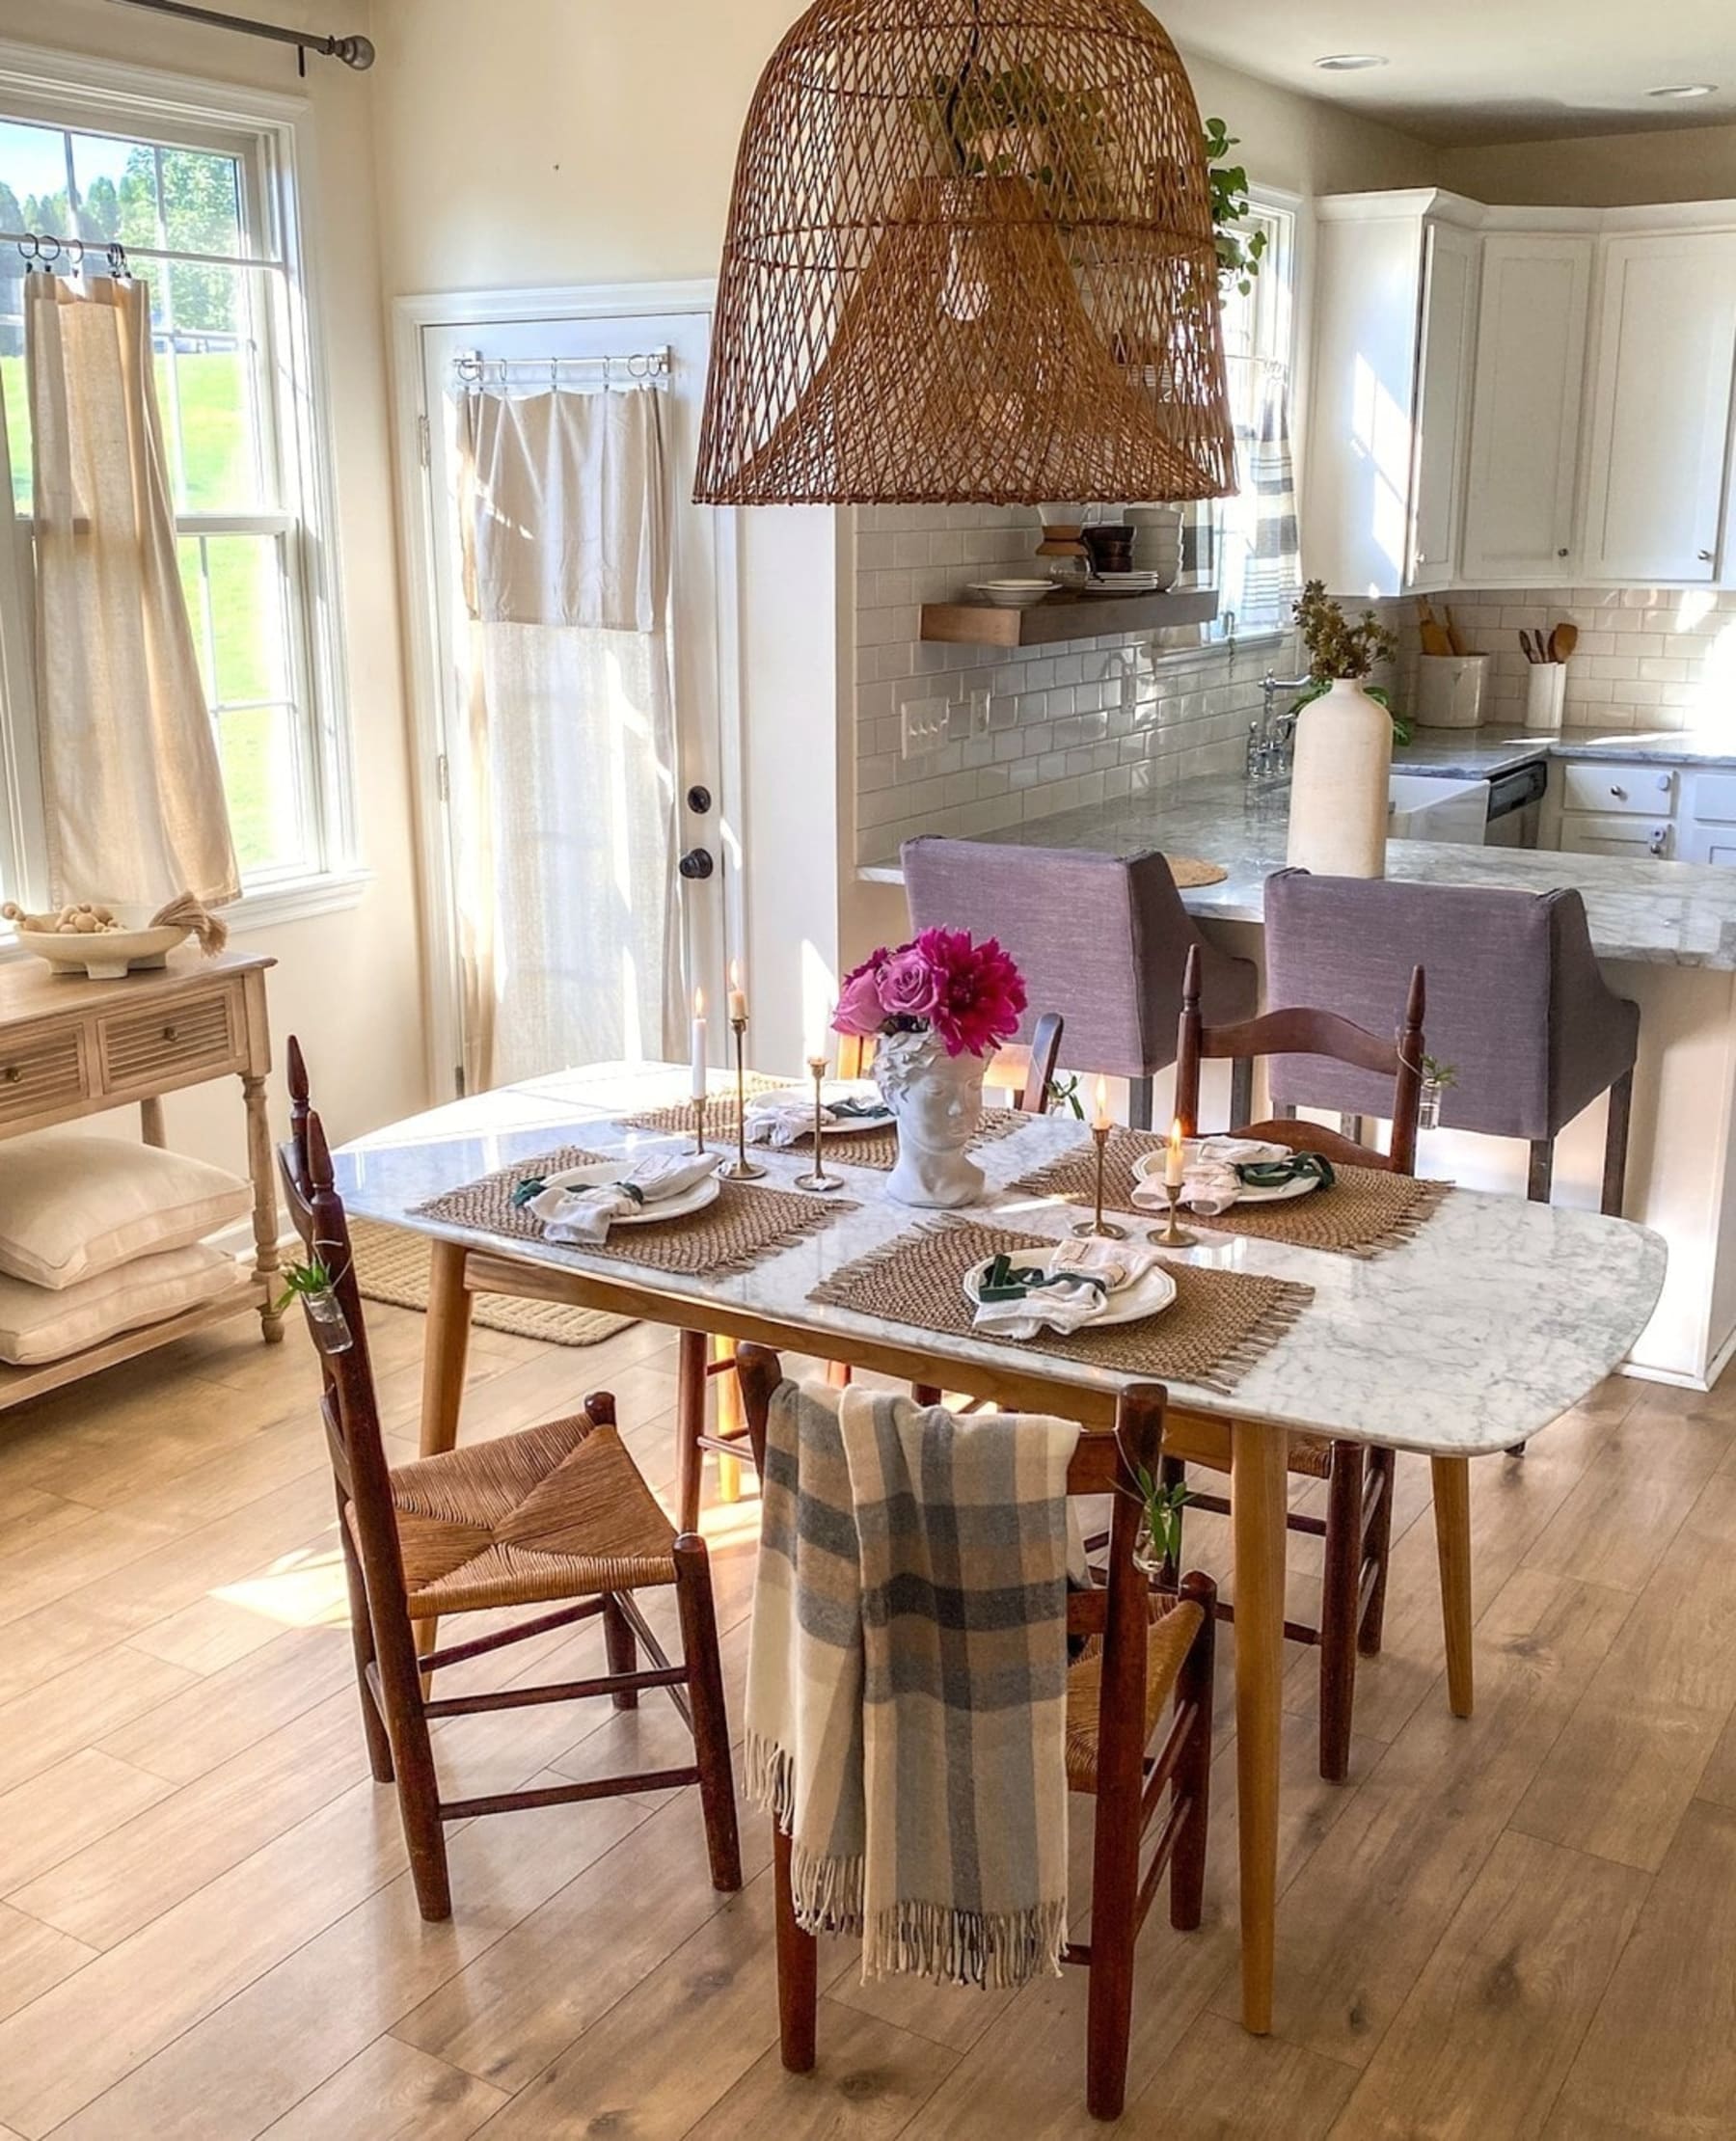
(1516, 805)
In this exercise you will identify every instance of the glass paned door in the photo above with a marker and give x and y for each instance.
(582, 772)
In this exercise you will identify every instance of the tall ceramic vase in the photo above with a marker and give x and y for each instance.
(1338, 806)
(937, 1101)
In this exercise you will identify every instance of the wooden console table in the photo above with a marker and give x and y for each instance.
(72, 1048)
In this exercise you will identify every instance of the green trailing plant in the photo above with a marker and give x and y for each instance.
(1019, 124)
(1439, 1074)
(1239, 252)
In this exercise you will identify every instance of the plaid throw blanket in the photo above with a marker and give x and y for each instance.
(906, 1681)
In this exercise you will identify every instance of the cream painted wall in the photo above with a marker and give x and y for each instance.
(1599, 170)
(349, 984)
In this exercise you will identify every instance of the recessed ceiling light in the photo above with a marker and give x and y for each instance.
(1684, 90)
(1350, 63)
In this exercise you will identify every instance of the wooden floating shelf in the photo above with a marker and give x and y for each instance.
(981, 624)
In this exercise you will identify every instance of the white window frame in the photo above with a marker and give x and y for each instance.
(1288, 253)
(272, 136)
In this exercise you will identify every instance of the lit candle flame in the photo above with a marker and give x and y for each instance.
(1100, 1121)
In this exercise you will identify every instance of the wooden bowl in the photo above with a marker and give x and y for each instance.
(108, 955)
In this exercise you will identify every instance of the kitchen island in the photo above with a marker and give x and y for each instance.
(1667, 935)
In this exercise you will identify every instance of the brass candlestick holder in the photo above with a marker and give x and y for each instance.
(741, 1169)
(1097, 1226)
(701, 1101)
(1174, 1236)
(817, 1177)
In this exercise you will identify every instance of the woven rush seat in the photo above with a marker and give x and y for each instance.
(1310, 1456)
(1174, 1625)
(554, 1512)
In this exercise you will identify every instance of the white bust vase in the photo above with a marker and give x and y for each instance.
(1338, 808)
(937, 1101)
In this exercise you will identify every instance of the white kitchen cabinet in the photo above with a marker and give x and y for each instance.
(1526, 407)
(1659, 436)
(1394, 322)
(1636, 838)
(1709, 818)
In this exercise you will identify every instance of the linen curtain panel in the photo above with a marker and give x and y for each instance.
(566, 807)
(134, 785)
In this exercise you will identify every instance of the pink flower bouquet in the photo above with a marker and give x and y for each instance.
(971, 996)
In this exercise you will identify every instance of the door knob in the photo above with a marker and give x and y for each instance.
(696, 863)
(698, 799)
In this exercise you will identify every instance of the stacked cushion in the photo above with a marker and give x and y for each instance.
(100, 1234)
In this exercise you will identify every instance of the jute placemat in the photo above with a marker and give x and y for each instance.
(1190, 872)
(1220, 1326)
(1367, 1210)
(747, 1222)
(392, 1266)
(875, 1148)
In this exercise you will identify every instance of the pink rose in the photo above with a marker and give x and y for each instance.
(860, 1012)
(909, 986)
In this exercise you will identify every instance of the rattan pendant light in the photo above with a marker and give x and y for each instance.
(969, 259)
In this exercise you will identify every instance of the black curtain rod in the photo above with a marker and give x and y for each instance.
(355, 51)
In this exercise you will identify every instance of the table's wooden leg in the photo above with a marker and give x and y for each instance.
(1257, 1494)
(150, 1122)
(1451, 1476)
(446, 1349)
(730, 1419)
(264, 1204)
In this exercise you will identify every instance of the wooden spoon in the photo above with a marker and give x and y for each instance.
(1563, 640)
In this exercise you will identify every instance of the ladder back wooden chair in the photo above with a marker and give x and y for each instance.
(554, 1517)
(1029, 1073)
(1357, 1524)
(1139, 1652)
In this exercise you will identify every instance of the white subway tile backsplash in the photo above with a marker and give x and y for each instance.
(1065, 727)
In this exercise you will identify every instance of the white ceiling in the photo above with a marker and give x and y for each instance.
(1483, 70)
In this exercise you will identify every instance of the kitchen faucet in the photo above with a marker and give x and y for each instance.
(1271, 740)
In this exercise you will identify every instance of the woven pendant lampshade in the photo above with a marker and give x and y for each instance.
(969, 259)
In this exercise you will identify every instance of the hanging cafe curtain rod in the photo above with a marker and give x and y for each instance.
(474, 369)
(354, 51)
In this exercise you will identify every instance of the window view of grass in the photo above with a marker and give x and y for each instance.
(206, 373)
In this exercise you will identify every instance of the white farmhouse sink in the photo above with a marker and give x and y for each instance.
(1423, 806)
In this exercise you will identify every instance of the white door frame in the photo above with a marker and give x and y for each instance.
(413, 430)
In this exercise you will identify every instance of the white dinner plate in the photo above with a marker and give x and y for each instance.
(1147, 1296)
(1150, 1164)
(696, 1199)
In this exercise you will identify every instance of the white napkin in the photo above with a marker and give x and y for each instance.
(586, 1215)
(787, 1116)
(1061, 1306)
(1209, 1183)
(780, 1118)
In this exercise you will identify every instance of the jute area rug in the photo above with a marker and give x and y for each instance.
(392, 1266)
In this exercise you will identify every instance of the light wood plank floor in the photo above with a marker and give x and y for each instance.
(1521, 1925)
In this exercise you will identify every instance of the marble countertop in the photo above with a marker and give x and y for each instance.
(1495, 1318)
(1481, 753)
(1660, 914)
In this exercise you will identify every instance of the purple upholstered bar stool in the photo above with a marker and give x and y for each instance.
(1102, 940)
(1517, 1005)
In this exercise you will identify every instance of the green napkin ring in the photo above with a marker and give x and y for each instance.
(1006, 1281)
(1300, 1167)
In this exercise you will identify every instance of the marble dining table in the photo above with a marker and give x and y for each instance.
(1491, 1321)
